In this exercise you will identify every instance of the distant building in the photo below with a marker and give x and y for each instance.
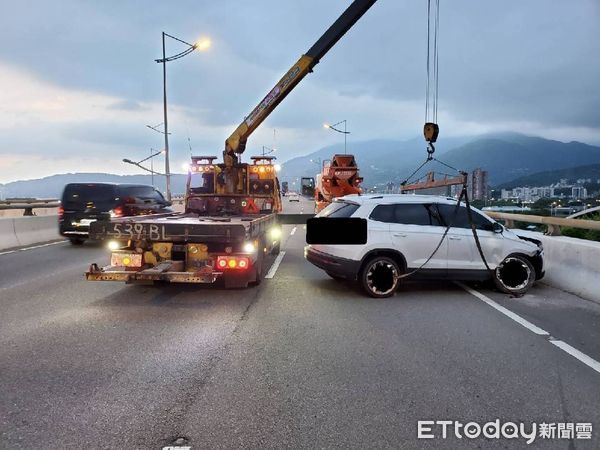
(479, 184)
(578, 192)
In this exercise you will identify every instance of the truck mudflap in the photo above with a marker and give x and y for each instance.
(158, 273)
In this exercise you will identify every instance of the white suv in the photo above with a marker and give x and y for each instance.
(403, 233)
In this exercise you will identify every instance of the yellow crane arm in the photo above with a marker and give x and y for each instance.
(236, 143)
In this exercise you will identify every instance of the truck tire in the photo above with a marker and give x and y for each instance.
(276, 248)
(259, 267)
(515, 275)
(379, 277)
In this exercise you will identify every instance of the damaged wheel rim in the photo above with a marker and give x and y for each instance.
(382, 277)
(513, 273)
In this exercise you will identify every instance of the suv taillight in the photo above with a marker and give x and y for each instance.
(61, 212)
(116, 212)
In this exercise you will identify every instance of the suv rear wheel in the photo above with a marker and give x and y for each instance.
(379, 277)
(515, 275)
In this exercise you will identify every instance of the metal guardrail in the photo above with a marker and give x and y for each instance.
(553, 223)
(29, 204)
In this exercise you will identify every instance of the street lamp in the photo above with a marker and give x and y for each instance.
(139, 163)
(270, 150)
(344, 131)
(202, 44)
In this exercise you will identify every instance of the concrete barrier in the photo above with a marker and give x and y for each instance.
(33, 230)
(573, 265)
(8, 238)
(21, 231)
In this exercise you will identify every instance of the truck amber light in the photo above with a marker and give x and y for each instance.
(232, 263)
(126, 259)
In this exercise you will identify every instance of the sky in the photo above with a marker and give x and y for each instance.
(79, 82)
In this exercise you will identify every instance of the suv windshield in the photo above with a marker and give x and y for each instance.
(79, 197)
(339, 209)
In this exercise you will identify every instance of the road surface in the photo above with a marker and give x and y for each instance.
(300, 361)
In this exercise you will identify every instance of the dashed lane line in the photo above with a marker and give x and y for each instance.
(275, 265)
(293, 231)
(585, 359)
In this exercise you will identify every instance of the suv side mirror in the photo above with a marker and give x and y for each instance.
(497, 228)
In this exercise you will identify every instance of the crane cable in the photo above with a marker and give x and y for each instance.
(431, 128)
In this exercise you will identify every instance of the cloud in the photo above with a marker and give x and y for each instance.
(128, 105)
(93, 85)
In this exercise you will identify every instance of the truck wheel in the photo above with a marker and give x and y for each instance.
(76, 241)
(276, 248)
(258, 268)
(515, 275)
(379, 277)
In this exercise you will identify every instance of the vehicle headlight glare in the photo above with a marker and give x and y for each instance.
(113, 245)
(275, 233)
(249, 247)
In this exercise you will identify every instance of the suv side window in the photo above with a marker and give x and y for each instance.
(461, 218)
(417, 214)
(383, 213)
(407, 213)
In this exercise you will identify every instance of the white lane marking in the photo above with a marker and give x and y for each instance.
(587, 360)
(531, 327)
(31, 248)
(591, 362)
(275, 265)
(293, 231)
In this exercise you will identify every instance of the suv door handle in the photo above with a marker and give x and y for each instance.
(455, 238)
(399, 234)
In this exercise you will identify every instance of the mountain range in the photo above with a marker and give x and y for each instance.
(506, 157)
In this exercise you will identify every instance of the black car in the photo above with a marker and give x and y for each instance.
(84, 203)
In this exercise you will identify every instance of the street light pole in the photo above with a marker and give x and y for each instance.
(167, 170)
(345, 132)
(202, 44)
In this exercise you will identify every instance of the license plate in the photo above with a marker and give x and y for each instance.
(83, 222)
(137, 231)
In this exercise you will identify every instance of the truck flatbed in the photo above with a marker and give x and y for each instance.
(183, 227)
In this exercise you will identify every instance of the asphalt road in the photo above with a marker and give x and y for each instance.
(300, 361)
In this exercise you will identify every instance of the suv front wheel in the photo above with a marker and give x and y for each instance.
(379, 277)
(515, 275)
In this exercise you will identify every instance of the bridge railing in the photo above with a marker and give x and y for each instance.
(553, 223)
(29, 204)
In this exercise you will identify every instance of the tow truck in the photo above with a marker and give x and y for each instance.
(230, 222)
